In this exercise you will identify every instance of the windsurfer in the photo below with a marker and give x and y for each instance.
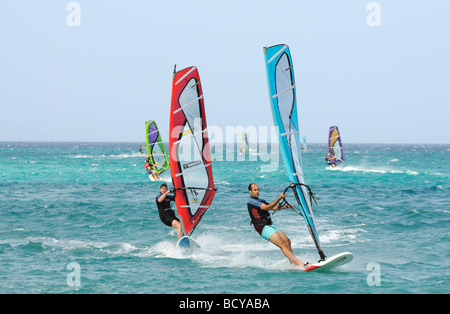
(329, 159)
(258, 209)
(166, 213)
(149, 166)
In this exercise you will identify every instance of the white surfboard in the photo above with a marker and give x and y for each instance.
(186, 243)
(153, 178)
(331, 262)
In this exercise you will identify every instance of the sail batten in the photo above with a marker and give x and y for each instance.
(289, 133)
(277, 53)
(191, 167)
(284, 91)
(184, 138)
(189, 103)
(282, 95)
(191, 170)
(185, 75)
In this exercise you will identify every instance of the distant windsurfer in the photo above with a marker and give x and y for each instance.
(331, 160)
(149, 166)
(166, 213)
(258, 210)
(141, 149)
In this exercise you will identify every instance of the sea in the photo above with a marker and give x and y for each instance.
(81, 218)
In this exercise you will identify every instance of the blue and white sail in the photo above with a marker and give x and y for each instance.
(304, 146)
(281, 84)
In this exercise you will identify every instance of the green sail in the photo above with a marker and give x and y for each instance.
(155, 147)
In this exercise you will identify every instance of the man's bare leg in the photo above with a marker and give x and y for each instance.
(283, 242)
(176, 224)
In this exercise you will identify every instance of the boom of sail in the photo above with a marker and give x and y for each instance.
(190, 156)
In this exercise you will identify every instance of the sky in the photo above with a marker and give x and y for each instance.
(96, 70)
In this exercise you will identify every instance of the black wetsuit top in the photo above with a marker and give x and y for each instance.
(165, 204)
(166, 213)
(260, 218)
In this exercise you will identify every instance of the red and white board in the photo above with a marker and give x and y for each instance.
(331, 262)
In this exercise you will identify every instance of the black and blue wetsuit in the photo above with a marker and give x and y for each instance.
(260, 218)
(166, 213)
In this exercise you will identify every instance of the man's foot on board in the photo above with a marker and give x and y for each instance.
(303, 266)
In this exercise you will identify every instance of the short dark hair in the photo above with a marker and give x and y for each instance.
(162, 185)
(250, 186)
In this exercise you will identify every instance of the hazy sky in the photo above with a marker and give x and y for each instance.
(380, 70)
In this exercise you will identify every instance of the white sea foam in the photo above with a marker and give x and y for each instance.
(217, 252)
(372, 170)
(113, 156)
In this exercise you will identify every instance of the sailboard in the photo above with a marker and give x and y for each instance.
(155, 148)
(190, 156)
(187, 244)
(244, 143)
(335, 146)
(282, 94)
(331, 262)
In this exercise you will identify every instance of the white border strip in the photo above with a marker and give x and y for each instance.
(184, 76)
(285, 91)
(188, 104)
(286, 133)
(191, 135)
(195, 169)
(276, 55)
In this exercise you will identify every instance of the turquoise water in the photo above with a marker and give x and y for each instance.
(81, 218)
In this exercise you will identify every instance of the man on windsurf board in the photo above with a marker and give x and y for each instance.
(149, 166)
(258, 210)
(166, 213)
(331, 160)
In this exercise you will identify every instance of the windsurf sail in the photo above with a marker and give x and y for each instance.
(303, 146)
(155, 147)
(244, 143)
(335, 145)
(190, 156)
(281, 84)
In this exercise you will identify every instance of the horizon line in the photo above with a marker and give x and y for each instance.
(224, 143)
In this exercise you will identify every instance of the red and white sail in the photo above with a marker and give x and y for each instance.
(190, 158)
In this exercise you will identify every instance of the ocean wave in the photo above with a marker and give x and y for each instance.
(112, 156)
(372, 170)
(74, 247)
(339, 237)
(217, 252)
